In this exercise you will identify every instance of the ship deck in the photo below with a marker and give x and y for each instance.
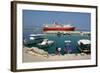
(69, 32)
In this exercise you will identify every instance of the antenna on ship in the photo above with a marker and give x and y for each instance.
(56, 23)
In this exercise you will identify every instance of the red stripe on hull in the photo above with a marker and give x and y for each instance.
(59, 29)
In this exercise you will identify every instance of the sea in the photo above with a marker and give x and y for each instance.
(59, 42)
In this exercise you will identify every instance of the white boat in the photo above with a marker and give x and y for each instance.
(67, 41)
(84, 46)
(84, 41)
(46, 42)
(34, 35)
(33, 38)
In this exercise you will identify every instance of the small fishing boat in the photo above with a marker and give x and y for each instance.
(67, 41)
(84, 46)
(45, 43)
(33, 39)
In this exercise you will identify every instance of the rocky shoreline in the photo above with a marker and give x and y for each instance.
(35, 54)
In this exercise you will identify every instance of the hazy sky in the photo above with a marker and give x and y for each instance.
(35, 19)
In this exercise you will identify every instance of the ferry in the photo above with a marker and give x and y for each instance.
(58, 27)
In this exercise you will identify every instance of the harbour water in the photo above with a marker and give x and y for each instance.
(59, 42)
